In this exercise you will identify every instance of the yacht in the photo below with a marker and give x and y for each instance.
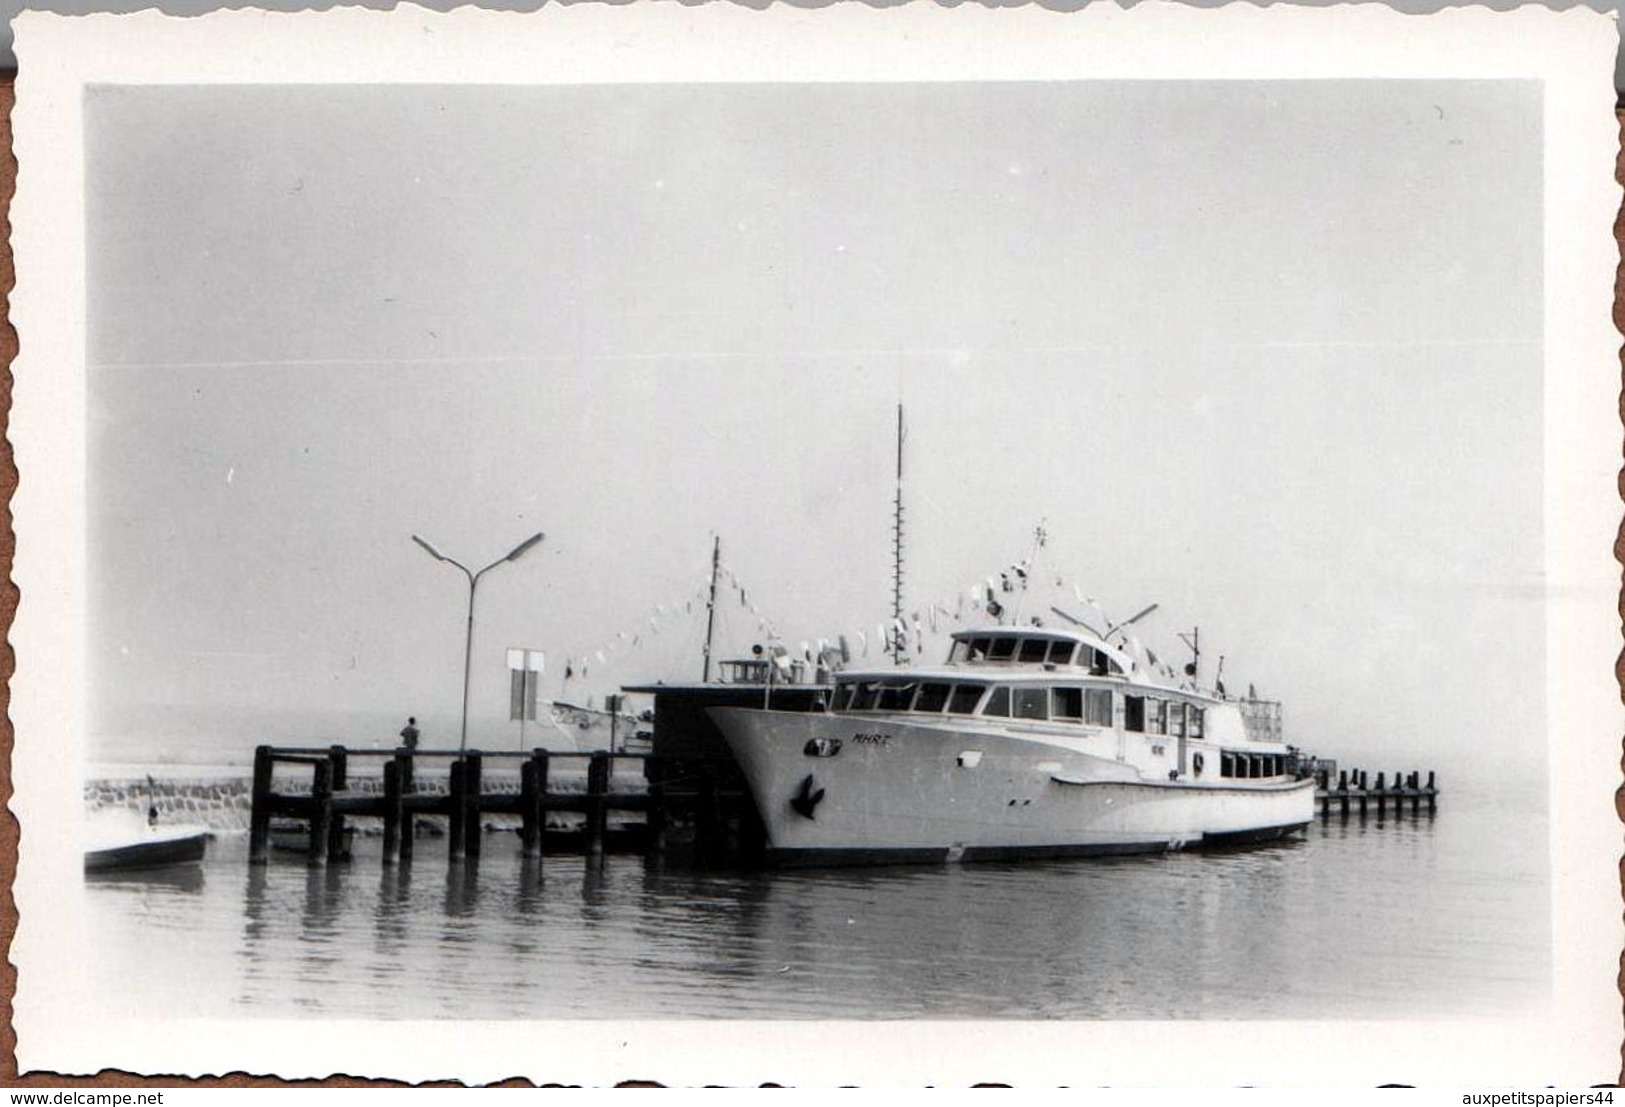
(1027, 742)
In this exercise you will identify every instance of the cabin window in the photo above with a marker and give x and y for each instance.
(1031, 703)
(895, 697)
(1196, 720)
(1097, 662)
(1227, 763)
(1255, 766)
(1060, 653)
(1097, 707)
(932, 697)
(1134, 714)
(843, 696)
(1002, 649)
(964, 699)
(1034, 650)
(998, 703)
(979, 648)
(1066, 703)
(1176, 720)
(864, 695)
(1156, 717)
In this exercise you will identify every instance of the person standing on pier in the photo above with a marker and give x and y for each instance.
(409, 734)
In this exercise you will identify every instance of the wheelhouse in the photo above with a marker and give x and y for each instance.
(1063, 701)
(1051, 651)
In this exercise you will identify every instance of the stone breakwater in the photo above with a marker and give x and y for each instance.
(218, 804)
(224, 803)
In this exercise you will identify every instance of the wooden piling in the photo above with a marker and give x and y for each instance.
(655, 818)
(533, 803)
(259, 819)
(598, 770)
(394, 811)
(1433, 794)
(321, 811)
(339, 758)
(473, 832)
(408, 822)
(456, 824)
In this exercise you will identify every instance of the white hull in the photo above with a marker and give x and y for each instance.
(900, 790)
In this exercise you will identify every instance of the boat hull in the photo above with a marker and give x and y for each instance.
(835, 789)
(156, 851)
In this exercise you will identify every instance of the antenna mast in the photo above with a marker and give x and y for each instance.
(711, 606)
(899, 637)
(1194, 641)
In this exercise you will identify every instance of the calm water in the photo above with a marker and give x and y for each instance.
(1414, 918)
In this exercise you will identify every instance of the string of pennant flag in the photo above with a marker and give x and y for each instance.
(730, 591)
(997, 596)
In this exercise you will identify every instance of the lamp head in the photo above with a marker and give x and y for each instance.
(434, 553)
(520, 550)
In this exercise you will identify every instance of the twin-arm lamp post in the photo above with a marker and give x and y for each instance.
(473, 581)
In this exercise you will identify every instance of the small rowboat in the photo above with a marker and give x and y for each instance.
(145, 847)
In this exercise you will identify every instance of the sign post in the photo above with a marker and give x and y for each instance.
(525, 677)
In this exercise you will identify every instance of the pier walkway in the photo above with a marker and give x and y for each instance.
(317, 787)
(1355, 791)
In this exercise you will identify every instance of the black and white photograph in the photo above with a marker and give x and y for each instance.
(1008, 543)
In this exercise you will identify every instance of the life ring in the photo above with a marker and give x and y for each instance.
(1196, 762)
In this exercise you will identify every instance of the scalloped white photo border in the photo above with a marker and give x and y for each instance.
(1571, 53)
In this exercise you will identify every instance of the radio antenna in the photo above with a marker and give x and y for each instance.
(899, 632)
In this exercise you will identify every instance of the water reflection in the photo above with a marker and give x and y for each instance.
(1298, 929)
(176, 879)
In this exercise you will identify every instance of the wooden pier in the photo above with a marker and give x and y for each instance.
(1355, 793)
(334, 798)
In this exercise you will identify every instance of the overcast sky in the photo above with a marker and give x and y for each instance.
(1268, 354)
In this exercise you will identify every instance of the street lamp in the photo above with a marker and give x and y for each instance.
(473, 581)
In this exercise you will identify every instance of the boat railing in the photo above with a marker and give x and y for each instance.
(762, 670)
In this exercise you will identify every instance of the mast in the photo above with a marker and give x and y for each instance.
(1194, 641)
(711, 606)
(899, 636)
